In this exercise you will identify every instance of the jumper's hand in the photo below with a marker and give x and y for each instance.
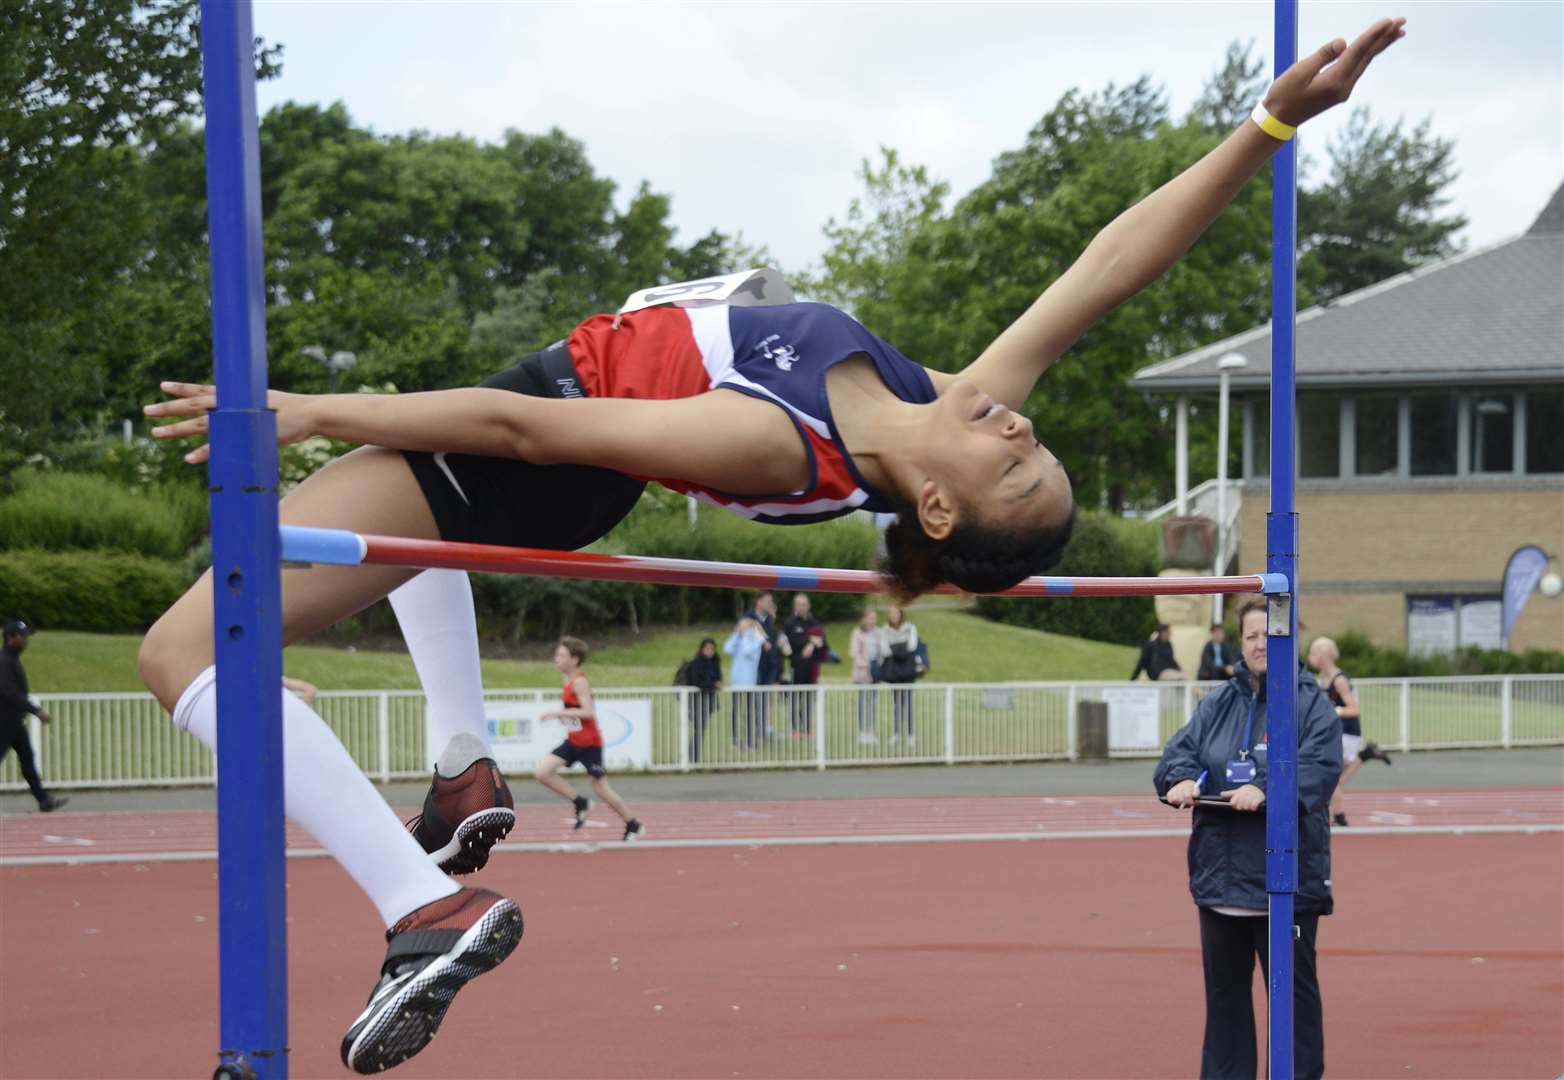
(196, 400)
(1326, 76)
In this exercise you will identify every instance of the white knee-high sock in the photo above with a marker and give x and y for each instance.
(435, 611)
(326, 793)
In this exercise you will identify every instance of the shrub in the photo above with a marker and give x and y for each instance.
(104, 592)
(56, 511)
(1366, 660)
(1098, 549)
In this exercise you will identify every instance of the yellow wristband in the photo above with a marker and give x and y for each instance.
(1270, 125)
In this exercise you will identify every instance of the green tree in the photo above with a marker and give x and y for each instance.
(84, 87)
(1229, 95)
(1379, 212)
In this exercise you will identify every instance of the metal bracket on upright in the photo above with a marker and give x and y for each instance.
(1278, 614)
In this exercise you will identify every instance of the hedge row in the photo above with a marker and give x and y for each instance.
(1100, 548)
(1365, 660)
(57, 511)
(104, 592)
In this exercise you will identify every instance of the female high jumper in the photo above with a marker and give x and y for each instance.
(784, 414)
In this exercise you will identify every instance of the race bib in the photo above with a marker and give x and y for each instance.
(570, 723)
(747, 288)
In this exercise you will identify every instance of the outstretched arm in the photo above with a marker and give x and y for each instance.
(720, 439)
(1141, 244)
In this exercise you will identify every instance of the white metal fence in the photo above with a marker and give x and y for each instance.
(126, 740)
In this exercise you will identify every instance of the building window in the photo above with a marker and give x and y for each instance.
(1259, 414)
(1378, 445)
(1443, 624)
(1493, 433)
(1434, 434)
(1545, 431)
(1319, 435)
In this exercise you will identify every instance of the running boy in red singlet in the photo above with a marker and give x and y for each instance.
(583, 744)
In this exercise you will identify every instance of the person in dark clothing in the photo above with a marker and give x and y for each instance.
(704, 673)
(764, 612)
(1218, 657)
(1224, 744)
(808, 648)
(15, 707)
(1156, 657)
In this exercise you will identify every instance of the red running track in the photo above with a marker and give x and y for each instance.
(1069, 959)
(65, 837)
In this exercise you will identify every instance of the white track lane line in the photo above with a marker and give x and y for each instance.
(581, 848)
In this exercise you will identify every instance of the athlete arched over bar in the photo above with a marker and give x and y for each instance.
(782, 413)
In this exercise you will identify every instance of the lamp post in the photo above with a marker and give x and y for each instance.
(335, 363)
(1225, 367)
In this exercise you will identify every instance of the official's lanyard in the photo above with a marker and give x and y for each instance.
(1243, 751)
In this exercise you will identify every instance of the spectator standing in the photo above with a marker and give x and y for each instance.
(864, 649)
(704, 673)
(773, 649)
(1323, 657)
(807, 648)
(15, 707)
(1156, 657)
(747, 646)
(1217, 658)
(1223, 748)
(899, 667)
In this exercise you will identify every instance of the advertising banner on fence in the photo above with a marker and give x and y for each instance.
(1134, 717)
(521, 739)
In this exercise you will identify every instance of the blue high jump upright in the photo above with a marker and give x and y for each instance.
(247, 593)
(1281, 534)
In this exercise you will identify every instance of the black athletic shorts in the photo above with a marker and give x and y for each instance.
(514, 503)
(588, 757)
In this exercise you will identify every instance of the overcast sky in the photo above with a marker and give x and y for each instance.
(755, 117)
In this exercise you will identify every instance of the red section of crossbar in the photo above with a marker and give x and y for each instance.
(483, 558)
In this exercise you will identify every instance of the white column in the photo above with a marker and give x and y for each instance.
(383, 734)
(684, 729)
(1181, 454)
(1221, 495)
(950, 725)
(820, 722)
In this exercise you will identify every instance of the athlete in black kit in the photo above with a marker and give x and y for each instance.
(15, 706)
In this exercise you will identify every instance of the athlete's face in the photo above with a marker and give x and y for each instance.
(563, 659)
(985, 459)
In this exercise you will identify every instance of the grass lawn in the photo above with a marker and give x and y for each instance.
(962, 648)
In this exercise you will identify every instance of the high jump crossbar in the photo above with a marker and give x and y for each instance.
(341, 548)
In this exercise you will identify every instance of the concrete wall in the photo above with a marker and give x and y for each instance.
(1366, 546)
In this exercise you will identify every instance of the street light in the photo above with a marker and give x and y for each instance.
(1225, 366)
(336, 363)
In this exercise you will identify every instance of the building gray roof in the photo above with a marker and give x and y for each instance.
(1486, 316)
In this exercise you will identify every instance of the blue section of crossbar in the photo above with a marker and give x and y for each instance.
(797, 577)
(246, 586)
(331, 547)
(1271, 584)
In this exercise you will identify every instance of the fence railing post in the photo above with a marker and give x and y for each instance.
(1406, 715)
(820, 719)
(1070, 705)
(1507, 712)
(684, 729)
(383, 734)
(950, 724)
(35, 732)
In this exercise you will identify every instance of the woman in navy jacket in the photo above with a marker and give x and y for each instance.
(1227, 852)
